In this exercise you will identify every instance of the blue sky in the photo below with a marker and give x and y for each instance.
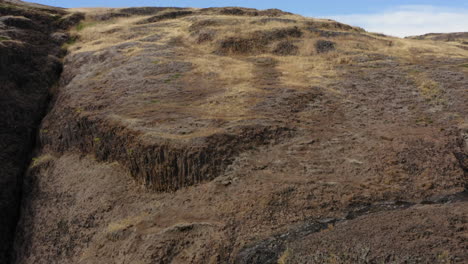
(393, 17)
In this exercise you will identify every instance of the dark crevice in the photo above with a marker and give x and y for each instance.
(30, 66)
(31, 153)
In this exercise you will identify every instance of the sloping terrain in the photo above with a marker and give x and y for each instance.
(460, 38)
(233, 135)
(457, 36)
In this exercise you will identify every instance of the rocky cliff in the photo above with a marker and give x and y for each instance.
(30, 66)
(234, 135)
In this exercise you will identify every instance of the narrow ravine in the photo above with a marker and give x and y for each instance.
(31, 39)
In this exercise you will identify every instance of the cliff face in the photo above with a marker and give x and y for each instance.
(30, 67)
(233, 135)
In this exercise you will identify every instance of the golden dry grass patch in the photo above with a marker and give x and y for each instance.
(413, 50)
(285, 257)
(91, 10)
(233, 79)
(38, 161)
(126, 222)
(96, 35)
(428, 88)
(199, 133)
(228, 70)
(306, 71)
(230, 106)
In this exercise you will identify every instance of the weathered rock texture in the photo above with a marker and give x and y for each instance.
(232, 135)
(30, 66)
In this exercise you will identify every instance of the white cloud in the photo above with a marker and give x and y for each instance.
(410, 20)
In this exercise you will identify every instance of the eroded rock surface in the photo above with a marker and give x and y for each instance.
(30, 67)
(231, 135)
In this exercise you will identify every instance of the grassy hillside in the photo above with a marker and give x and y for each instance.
(233, 135)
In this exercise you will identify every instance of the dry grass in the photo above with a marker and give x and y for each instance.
(91, 11)
(429, 89)
(96, 35)
(239, 70)
(234, 83)
(227, 26)
(236, 75)
(306, 71)
(43, 159)
(126, 223)
(412, 50)
(284, 258)
(229, 81)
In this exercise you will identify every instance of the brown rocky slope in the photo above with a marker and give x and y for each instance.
(232, 135)
(30, 40)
